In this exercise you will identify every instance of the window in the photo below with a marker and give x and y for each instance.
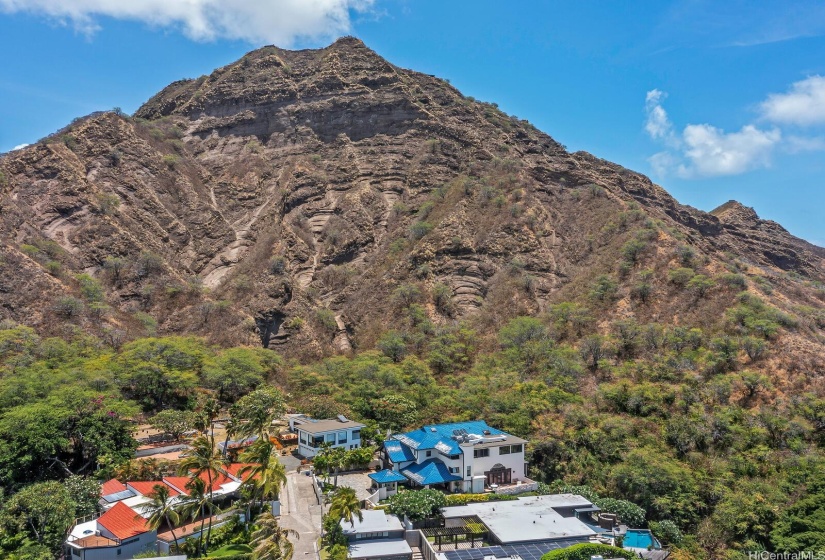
(317, 441)
(469, 471)
(481, 453)
(507, 449)
(429, 453)
(303, 438)
(454, 470)
(342, 437)
(330, 438)
(119, 552)
(356, 434)
(455, 457)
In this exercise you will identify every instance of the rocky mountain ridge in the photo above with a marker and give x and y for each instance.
(289, 198)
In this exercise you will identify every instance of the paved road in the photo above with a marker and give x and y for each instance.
(300, 511)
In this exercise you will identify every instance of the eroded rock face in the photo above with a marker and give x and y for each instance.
(284, 198)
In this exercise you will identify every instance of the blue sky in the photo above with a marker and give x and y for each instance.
(713, 100)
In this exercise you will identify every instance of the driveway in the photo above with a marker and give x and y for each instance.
(300, 511)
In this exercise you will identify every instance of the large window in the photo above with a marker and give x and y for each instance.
(481, 453)
(356, 434)
(507, 449)
(317, 441)
(342, 437)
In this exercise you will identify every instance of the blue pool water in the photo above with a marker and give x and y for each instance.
(637, 538)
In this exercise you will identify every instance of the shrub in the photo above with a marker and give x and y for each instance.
(734, 280)
(604, 289)
(170, 160)
(464, 499)
(68, 307)
(277, 266)
(666, 531)
(393, 346)
(680, 276)
(420, 229)
(90, 288)
(632, 249)
(406, 294)
(443, 298)
(417, 504)
(326, 318)
(700, 284)
(585, 551)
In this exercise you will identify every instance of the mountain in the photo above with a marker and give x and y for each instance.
(294, 198)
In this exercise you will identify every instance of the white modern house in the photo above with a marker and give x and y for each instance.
(457, 457)
(313, 434)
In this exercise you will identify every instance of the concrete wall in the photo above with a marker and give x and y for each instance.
(309, 452)
(514, 461)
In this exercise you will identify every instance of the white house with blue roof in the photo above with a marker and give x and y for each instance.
(457, 457)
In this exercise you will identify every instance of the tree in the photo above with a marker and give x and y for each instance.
(198, 503)
(254, 413)
(392, 345)
(394, 412)
(41, 512)
(202, 458)
(265, 475)
(604, 289)
(345, 506)
(161, 509)
(234, 373)
(85, 493)
(173, 422)
(270, 540)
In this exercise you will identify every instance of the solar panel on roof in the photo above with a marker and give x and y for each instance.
(117, 496)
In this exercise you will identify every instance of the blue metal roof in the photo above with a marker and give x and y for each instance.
(398, 453)
(442, 436)
(431, 471)
(386, 476)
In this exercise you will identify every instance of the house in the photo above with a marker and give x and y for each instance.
(121, 530)
(313, 434)
(457, 457)
(377, 536)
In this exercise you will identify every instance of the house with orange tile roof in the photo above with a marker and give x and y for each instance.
(121, 530)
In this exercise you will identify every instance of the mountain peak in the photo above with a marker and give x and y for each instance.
(733, 210)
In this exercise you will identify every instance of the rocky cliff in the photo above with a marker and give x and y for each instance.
(290, 198)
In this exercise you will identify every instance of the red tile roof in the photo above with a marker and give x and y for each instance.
(234, 469)
(123, 522)
(178, 482)
(112, 486)
(147, 487)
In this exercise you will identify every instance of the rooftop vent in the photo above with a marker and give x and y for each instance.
(433, 430)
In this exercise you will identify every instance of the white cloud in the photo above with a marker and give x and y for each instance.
(256, 21)
(711, 152)
(19, 147)
(657, 124)
(803, 104)
(703, 150)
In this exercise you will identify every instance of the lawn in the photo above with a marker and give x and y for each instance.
(231, 550)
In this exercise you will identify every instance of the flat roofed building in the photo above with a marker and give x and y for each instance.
(376, 536)
(533, 519)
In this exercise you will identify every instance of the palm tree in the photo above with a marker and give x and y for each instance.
(270, 539)
(345, 506)
(202, 458)
(265, 475)
(161, 509)
(198, 504)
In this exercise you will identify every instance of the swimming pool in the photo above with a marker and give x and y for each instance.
(640, 538)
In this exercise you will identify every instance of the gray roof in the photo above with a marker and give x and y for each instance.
(380, 548)
(527, 519)
(374, 521)
(322, 426)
